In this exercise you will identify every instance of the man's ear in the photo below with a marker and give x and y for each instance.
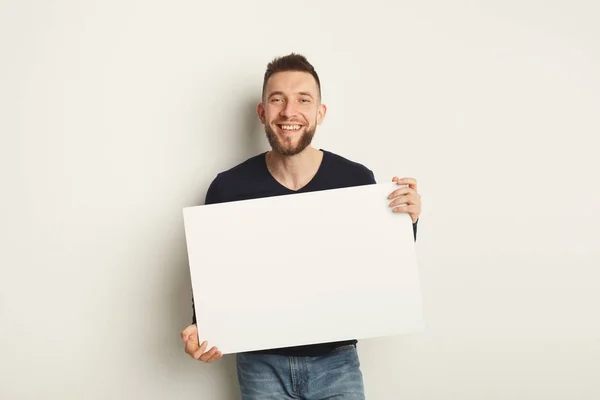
(260, 111)
(321, 113)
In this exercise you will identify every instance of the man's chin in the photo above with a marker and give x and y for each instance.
(288, 145)
(288, 150)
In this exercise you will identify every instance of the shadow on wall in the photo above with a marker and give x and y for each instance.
(177, 304)
(253, 138)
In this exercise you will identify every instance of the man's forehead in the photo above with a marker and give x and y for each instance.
(292, 81)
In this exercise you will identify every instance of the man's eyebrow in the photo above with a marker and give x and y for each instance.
(280, 93)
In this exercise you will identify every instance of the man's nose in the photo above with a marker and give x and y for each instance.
(288, 111)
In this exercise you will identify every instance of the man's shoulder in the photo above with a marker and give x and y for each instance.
(345, 162)
(244, 170)
(228, 183)
(347, 167)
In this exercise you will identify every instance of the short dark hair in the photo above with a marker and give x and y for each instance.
(290, 62)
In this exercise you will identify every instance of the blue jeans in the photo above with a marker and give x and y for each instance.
(336, 376)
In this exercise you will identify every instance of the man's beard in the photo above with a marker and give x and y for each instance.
(285, 147)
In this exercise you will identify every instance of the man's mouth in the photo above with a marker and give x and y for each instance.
(290, 128)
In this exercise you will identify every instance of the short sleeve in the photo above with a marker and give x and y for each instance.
(371, 177)
(213, 193)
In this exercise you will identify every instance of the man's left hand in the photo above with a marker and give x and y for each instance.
(406, 199)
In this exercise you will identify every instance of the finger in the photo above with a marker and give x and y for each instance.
(414, 215)
(409, 198)
(411, 182)
(410, 210)
(217, 354)
(206, 356)
(185, 334)
(190, 350)
(191, 340)
(405, 209)
(404, 200)
(401, 191)
(191, 347)
(215, 357)
(200, 350)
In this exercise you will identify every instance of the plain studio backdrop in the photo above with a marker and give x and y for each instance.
(115, 115)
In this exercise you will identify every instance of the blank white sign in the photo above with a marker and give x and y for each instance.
(302, 269)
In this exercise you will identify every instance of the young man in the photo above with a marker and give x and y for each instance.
(290, 110)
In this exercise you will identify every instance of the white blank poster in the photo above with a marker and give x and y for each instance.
(303, 268)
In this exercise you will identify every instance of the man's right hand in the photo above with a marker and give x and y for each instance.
(197, 350)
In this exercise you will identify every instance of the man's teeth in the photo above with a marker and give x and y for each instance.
(290, 127)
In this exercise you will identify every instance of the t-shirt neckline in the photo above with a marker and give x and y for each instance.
(308, 184)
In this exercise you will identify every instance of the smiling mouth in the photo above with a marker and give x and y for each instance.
(289, 128)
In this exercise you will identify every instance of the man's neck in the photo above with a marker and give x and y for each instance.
(294, 172)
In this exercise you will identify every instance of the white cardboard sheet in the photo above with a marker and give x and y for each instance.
(303, 268)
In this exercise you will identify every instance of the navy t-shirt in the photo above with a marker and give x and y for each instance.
(251, 179)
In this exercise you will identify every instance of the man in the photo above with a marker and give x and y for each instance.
(290, 110)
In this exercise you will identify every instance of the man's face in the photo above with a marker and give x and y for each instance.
(291, 111)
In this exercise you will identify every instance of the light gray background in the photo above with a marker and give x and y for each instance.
(116, 114)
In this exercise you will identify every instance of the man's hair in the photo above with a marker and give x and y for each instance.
(291, 62)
